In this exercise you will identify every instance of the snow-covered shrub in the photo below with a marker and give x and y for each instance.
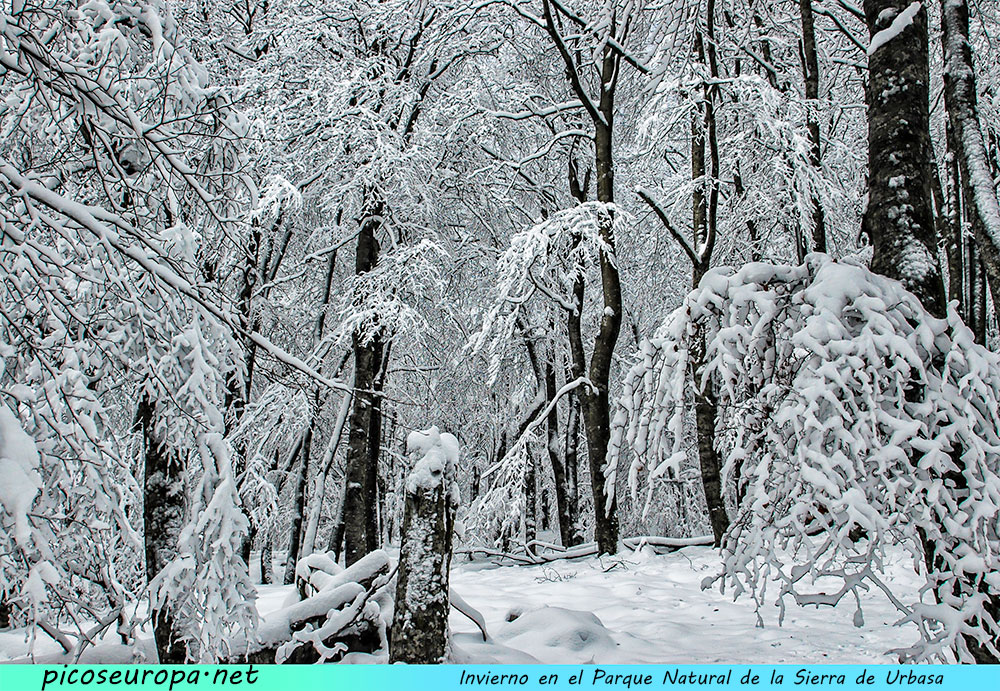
(850, 420)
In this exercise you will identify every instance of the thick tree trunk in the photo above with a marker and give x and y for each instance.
(359, 505)
(899, 218)
(810, 73)
(960, 101)
(164, 508)
(420, 618)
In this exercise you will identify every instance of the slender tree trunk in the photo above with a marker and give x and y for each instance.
(572, 456)
(566, 507)
(319, 494)
(704, 224)
(530, 498)
(595, 399)
(952, 229)
(810, 73)
(298, 507)
(164, 508)
(963, 115)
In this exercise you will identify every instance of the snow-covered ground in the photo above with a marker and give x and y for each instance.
(634, 608)
(648, 608)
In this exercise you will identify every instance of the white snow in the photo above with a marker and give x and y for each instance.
(899, 23)
(438, 453)
(19, 471)
(649, 608)
(632, 609)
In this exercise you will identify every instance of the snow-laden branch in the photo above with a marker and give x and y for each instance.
(99, 223)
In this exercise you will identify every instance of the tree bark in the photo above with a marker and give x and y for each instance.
(595, 399)
(359, 503)
(420, 618)
(298, 507)
(164, 509)
(565, 490)
(810, 73)
(899, 218)
(704, 228)
(963, 116)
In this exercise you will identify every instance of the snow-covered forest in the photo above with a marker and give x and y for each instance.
(499, 330)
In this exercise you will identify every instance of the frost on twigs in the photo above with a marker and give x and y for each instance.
(852, 420)
(420, 620)
(544, 261)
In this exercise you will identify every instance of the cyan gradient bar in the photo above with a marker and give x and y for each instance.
(470, 677)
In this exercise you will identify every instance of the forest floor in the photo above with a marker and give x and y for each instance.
(633, 608)
(649, 608)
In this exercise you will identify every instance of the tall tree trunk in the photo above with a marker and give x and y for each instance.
(164, 508)
(298, 507)
(899, 218)
(704, 226)
(963, 115)
(595, 398)
(952, 229)
(810, 73)
(359, 503)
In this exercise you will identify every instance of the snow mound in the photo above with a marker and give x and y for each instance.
(580, 636)
(438, 452)
(471, 649)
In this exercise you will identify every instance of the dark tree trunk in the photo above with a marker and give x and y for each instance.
(572, 463)
(566, 502)
(810, 73)
(298, 507)
(951, 229)
(705, 173)
(595, 398)
(359, 506)
(420, 618)
(164, 508)
(530, 498)
(900, 218)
